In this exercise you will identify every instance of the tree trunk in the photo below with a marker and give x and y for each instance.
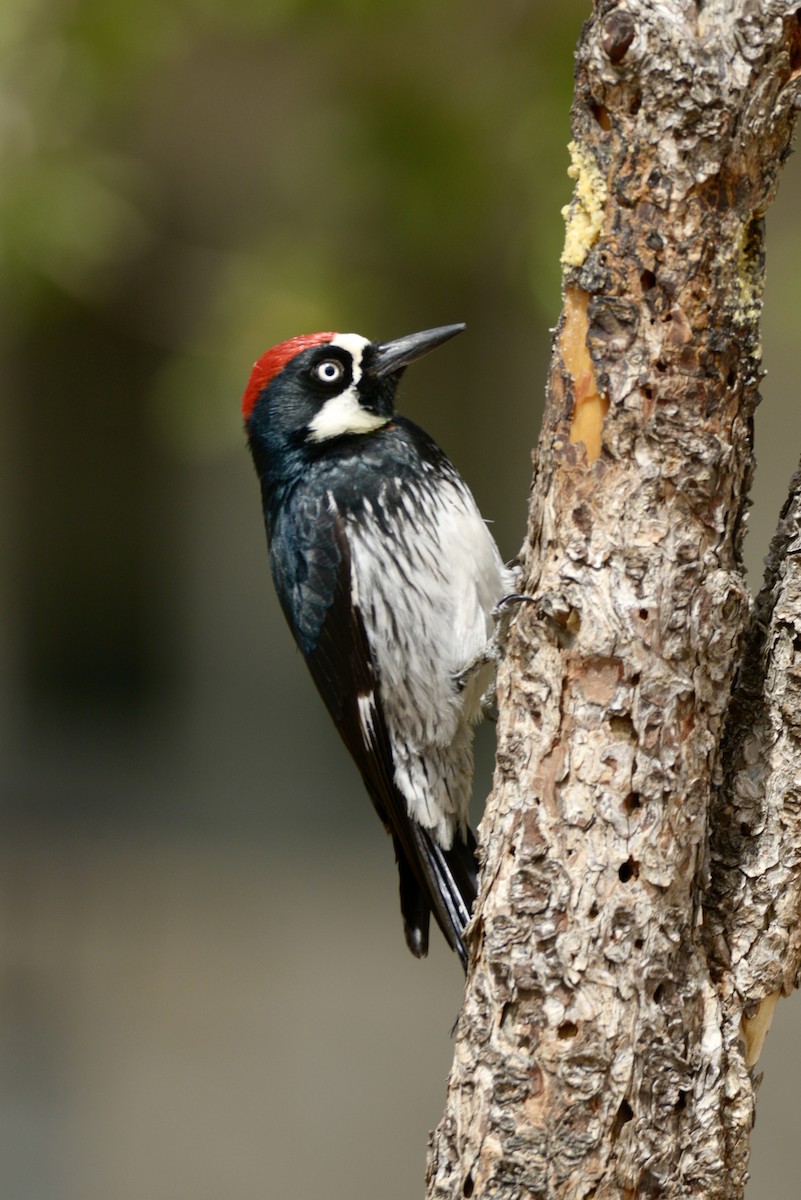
(625, 965)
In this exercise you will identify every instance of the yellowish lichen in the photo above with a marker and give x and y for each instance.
(755, 1028)
(585, 213)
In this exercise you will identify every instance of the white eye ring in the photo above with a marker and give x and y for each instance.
(329, 371)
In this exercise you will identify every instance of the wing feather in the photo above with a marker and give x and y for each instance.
(342, 667)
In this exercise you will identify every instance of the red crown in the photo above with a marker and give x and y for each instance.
(267, 367)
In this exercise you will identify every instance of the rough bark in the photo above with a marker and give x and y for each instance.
(600, 1051)
(753, 902)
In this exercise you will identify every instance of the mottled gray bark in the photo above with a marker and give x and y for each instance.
(752, 903)
(624, 965)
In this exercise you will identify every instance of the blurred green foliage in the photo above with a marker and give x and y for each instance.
(215, 177)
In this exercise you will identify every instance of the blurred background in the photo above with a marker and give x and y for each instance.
(204, 989)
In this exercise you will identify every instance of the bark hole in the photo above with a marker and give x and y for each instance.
(601, 115)
(623, 1115)
(632, 802)
(628, 870)
(622, 727)
(467, 1186)
(647, 280)
(567, 1030)
(582, 518)
(618, 34)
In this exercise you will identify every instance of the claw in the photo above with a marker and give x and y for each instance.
(514, 598)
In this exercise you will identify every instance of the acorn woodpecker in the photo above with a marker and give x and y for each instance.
(388, 578)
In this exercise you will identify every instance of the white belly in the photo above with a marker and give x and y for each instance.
(426, 583)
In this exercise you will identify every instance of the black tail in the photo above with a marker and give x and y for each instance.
(440, 881)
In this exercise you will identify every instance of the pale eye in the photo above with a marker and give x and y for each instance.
(329, 371)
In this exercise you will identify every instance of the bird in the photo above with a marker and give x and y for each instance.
(390, 582)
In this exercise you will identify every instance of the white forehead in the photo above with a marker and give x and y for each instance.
(354, 344)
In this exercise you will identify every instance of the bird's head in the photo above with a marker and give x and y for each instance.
(322, 386)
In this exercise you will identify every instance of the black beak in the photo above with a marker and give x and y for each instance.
(389, 357)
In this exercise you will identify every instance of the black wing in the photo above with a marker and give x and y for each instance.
(431, 879)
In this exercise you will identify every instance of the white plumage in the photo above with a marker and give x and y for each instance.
(426, 579)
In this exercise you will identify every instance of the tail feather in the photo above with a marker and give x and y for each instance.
(415, 906)
(449, 891)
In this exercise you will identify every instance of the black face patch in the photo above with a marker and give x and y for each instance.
(330, 370)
